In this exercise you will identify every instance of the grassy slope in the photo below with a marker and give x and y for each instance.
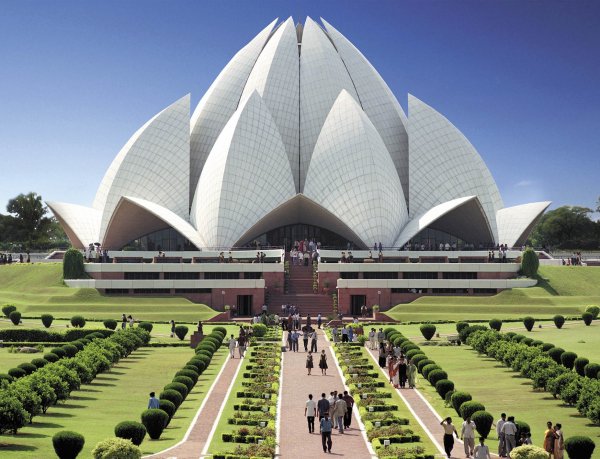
(37, 289)
(564, 290)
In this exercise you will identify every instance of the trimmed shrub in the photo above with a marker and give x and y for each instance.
(529, 262)
(527, 341)
(580, 363)
(429, 368)
(436, 375)
(468, 408)
(587, 318)
(495, 324)
(567, 359)
(460, 326)
(547, 346)
(259, 330)
(78, 344)
(59, 351)
(116, 448)
(12, 414)
(423, 363)
(528, 452)
(529, 322)
(181, 331)
(591, 370)
(185, 380)
(517, 338)
(466, 332)
(17, 373)
(428, 331)
(483, 420)
(522, 427)
(202, 356)
(78, 321)
(51, 357)
(559, 321)
(146, 326)
(155, 421)
(410, 354)
(536, 343)
(131, 430)
(555, 353)
(443, 387)
(594, 310)
(39, 363)
(15, 317)
(111, 324)
(189, 373)
(67, 444)
(418, 358)
(179, 387)
(47, 320)
(580, 447)
(168, 407)
(27, 367)
(6, 377)
(7, 309)
(221, 330)
(70, 350)
(73, 264)
(171, 395)
(458, 398)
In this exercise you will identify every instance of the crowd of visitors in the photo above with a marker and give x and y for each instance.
(304, 252)
(241, 342)
(333, 412)
(7, 258)
(573, 260)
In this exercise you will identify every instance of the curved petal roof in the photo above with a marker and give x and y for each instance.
(246, 175)
(515, 223)
(352, 175)
(82, 224)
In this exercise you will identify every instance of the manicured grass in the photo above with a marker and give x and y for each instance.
(502, 390)
(115, 396)
(10, 360)
(38, 289)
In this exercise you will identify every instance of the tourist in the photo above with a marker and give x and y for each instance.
(380, 336)
(525, 438)
(549, 437)
(172, 326)
(340, 410)
(344, 334)
(350, 334)
(242, 344)
(402, 370)
(310, 411)
(322, 406)
(289, 340)
(334, 334)
(305, 336)
(481, 451)
(232, 346)
(332, 401)
(467, 434)
(309, 363)
(313, 341)
(200, 329)
(510, 430)
(559, 442)
(319, 321)
(326, 427)
(323, 363)
(131, 321)
(449, 432)
(124, 324)
(382, 355)
(153, 403)
(349, 404)
(500, 433)
(411, 373)
(372, 339)
(393, 371)
(295, 337)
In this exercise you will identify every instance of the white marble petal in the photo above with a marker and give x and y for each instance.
(515, 223)
(81, 223)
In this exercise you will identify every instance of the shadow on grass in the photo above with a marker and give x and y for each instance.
(78, 397)
(119, 372)
(15, 447)
(52, 414)
(72, 406)
(105, 378)
(45, 425)
(86, 388)
(545, 284)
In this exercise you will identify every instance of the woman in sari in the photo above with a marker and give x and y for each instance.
(549, 437)
(412, 374)
(559, 442)
(395, 373)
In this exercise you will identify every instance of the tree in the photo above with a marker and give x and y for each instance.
(530, 262)
(567, 227)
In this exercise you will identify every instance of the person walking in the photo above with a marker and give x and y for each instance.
(382, 355)
(350, 334)
(305, 335)
(313, 341)
(481, 451)
(323, 363)
(319, 321)
(349, 404)
(412, 374)
(402, 370)
(380, 337)
(309, 363)
(295, 338)
(326, 427)
(372, 339)
(559, 442)
(232, 342)
(501, 440)
(467, 434)
(339, 412)
(124, 324)
(310, 411)
(334, 334)
(322, 406)
(154, 402)
(449, 432)
(241, 344)
(344, 334)
(172, 325)
(510, 430)
(549, 437)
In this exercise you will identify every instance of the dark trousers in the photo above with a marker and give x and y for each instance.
(294, 346)
(305, 345)
(326, 440)
(348, 418)
(313, 345)
(344, 338)
(311, 423)
(448, 443)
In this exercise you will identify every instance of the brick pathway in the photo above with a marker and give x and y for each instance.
(192, 444)
(295, 441)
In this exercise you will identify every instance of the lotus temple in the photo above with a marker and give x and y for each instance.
(299, 138)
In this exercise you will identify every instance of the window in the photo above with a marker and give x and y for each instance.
(487, 291)
(252, 275)
(449, 290)
(116, 291)
(380, 275)
(151, 291)
(193, 290)
(420, 275)
(182, 276)
(141, 276)
(220, 276)
(460, 275)
(353, 275)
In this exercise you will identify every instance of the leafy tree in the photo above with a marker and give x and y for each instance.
(530, 262)
(29, 223)
(567, 227)
(73, 265)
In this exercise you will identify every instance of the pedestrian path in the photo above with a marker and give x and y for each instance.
(201, 430)
(295, 441)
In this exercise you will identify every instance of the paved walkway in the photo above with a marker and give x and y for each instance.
(198, 434)
(295, 441)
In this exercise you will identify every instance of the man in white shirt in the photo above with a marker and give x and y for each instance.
(509, 429)
(501, 442)
(481, 450)
(332, 400)
(310, 411)
(372, 339)
(467, 434)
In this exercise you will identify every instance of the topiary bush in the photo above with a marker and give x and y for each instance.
(529, 262)
(28, 368)
(73, 265)
(559, 321)
(495, 324)
(146, 326)
(580, 447)
(468, 408)
(15, 317)
(443, 387)
(460, 326)
(594, 310)
(116, 448)
(458, 398)
(429, 368)
(555, 353)
(547, 346)
(7, 309)
(131, 430)
(483, 421)
(587, 317)
(67, 444)
(168, 407)
(155, 421)
(181, 331)
(111, 324)
(12, 414)
(528, 452)
(580, 363)
(185, 380)
(78, 321)
(51, 357)
(47, 320)
(529, 322)
(591, 370)
(173, 396)
(428, 331)
(189, 373)
(178, 387)
(259, 330)
(70, 350)
(39, 363)
(466, 332)
(436, 375)
(423, 363)
(17, 373)
(567, 359)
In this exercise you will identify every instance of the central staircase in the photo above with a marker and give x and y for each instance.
(300, 293)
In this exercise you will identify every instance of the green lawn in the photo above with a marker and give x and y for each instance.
(38, 289)
(10, 360)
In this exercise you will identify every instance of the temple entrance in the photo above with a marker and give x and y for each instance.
(244, 305)
(286, 236)
(356, 302)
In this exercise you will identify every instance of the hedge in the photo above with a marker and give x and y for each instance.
(155, 420)
(67, 445)
(131, 430)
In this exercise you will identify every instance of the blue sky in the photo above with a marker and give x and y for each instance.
(521, 79)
